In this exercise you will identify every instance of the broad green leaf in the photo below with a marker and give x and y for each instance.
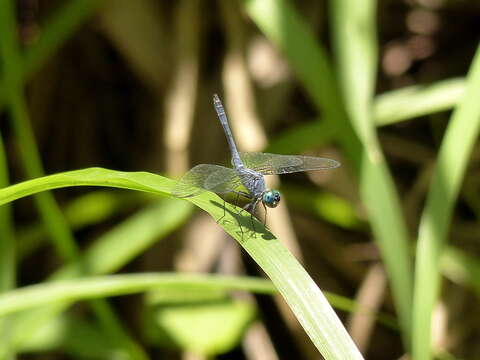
(205, 328)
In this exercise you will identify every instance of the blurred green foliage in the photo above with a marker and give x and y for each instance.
(127, 85)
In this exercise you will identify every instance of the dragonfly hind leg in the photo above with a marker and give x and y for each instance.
(238, 193)
(224, 204)
(224, 210)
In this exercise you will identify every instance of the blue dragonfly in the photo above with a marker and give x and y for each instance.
(246, 178)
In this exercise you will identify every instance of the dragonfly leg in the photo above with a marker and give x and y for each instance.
(236, 199)
(250, 207)
(224, 210)
(253, 224)
(265, 219)
(239, 193)
(244, 194)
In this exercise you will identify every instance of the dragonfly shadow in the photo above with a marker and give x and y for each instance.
(247, 224)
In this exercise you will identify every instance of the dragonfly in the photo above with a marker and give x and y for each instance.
(246, 177)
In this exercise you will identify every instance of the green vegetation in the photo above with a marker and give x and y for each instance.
(91, 83)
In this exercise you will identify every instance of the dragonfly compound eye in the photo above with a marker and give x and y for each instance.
(271, 198)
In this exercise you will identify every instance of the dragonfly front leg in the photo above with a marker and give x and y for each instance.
(265, 219)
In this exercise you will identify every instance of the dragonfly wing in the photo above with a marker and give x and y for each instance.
(274, 164)
(208, 177)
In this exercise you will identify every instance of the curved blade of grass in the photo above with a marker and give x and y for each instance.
(285, 28)
(292, 281)
(115, 285)
(140, 181)
(457, 144)
(388, 108)
(299, 290)
(419, 100)
(69, 291)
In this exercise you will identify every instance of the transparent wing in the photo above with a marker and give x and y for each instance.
(209, 177)
(274, 164)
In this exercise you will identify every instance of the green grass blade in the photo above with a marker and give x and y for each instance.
(7, 252)
(140, 181)
(69, 291)
(388, 108)
(296, 286)
(285, 28)
(461, 133)
(292, 281)
(356, 57)
(7, 239)
(418, 100)
(355, 43)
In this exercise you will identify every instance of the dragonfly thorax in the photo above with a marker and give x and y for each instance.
(253, 181)
(271, 198)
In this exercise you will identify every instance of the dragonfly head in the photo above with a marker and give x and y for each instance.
(271, 198)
